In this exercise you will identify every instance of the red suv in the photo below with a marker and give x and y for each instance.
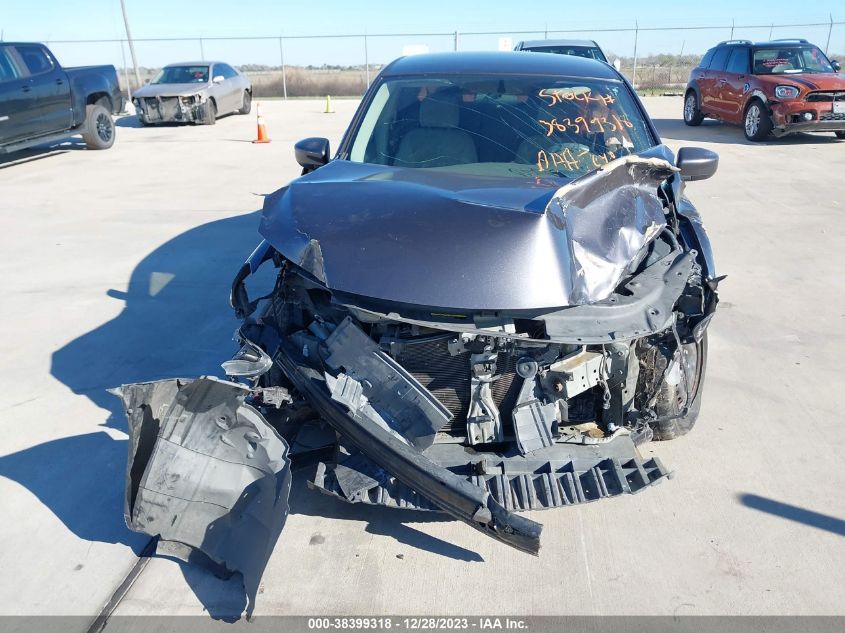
(777, 87)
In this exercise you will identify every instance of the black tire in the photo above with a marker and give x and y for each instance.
(692, 113)
(247, 106)
(99, 127)
(210, 117)
(756, 122)
(840, 135)
(671, 422)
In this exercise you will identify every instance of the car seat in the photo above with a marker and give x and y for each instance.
(438, 141)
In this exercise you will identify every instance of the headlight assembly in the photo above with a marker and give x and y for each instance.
(786, 92)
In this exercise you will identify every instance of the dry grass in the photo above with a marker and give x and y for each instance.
(301, 82)
(310, 83)
(307, 82)
(656, 77)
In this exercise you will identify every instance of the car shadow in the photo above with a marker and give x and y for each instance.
(79, 478)
(40, 152)
(711, 131)
(132, 121)
(224, 598)
(175, 321)
(380, 520)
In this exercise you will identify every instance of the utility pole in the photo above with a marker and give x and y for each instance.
(131, 43)
(636, 39)
(829, 31)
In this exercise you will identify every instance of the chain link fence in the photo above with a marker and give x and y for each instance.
(287, 66)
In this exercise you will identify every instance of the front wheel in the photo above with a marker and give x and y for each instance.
(99, 127)
(840, 135)
(210, 117)
(757, 122)
(247, 103)
(678, 405)
(692, 114)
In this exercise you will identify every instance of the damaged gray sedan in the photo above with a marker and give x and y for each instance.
(193, 92)
(492, 294)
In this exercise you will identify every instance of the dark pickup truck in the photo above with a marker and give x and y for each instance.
(41, 102)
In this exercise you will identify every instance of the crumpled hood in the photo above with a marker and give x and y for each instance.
(432, 238)
(170, 90)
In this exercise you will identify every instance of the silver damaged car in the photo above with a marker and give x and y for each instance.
(193, 92)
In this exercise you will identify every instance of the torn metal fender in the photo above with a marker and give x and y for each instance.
(208, 471)
(449, 492)
(609, 216)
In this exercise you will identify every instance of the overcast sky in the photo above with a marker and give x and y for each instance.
(52, 20)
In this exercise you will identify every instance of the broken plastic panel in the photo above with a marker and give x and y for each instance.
(206, 470)
(373, 378)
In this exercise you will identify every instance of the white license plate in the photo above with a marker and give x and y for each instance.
(839, 107)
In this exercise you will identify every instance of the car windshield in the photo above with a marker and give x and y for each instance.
(790, 60)
(500, 125)
(182, 75)
(589, 52)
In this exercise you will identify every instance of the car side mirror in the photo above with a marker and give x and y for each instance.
(219, 79)
(836, 65)
(312, 153)
(697, 163)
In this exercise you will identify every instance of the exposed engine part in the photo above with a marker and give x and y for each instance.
(250, 362)
(534, 422)
(484, 424)
(576, 373)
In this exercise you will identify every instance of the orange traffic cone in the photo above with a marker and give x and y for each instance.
(262, 129)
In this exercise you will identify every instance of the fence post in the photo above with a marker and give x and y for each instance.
(829, 31)
(367, 60)
(636, 38)
(284, 70)
(732, 29)
(771, 28)
(202, 51)
(456, 40)
(680, 61)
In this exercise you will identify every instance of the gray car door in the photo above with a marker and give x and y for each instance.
(233, 85)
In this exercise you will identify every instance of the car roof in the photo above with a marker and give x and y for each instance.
(784, 43)
(545, 43)
(196, 63)
(500, 63)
